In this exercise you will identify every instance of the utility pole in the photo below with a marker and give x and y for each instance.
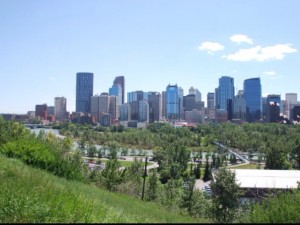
(145, 175)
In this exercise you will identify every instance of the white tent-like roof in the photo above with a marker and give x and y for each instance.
(278, 179)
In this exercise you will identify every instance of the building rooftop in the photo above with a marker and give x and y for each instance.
(278, 179)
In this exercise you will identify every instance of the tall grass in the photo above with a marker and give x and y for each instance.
(29, 195)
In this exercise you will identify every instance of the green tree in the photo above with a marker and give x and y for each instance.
(151, 191)
(225, 196)
(207, 172)
(111, 176)
(197, 171)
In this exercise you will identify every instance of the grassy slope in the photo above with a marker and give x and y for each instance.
(30, 195)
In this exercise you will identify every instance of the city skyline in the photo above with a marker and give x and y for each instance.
(151, 43)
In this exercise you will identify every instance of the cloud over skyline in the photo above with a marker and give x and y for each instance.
(211, 47)
(261, 54)
(241, 38)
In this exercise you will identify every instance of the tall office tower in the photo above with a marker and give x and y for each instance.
(60, 108)
(41, 111)
(125, 112)
(239, 106)
(121, 80)
(189, 102)
(50, 110)
(172, 102)
(264, 108)
(134, 110)
(154, 100)
(197, 93)
(273, 108)
(100, 105)
(210, 100)
(137, 96)
(163, 105)
(225, 95)
(95, 107)
(252, 95)
(143, 111)
(113, 108)
(181, 109)
(291, 101)
(116, 90)
(84, 91)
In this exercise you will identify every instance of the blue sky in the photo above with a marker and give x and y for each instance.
(43, 44)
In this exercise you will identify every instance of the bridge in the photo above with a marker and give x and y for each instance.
(240, 157)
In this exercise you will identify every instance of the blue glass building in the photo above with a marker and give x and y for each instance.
(172, 102)
(84, 91)
(253, 98)
(116, 90)
(225, 95)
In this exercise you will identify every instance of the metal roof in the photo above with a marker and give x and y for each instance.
(278, 179)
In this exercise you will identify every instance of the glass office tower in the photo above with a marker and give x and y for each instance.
(84, 92)
(121, 80)
(172, 102)
(253, 98)
(225, 95)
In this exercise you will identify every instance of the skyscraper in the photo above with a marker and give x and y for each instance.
(239, 106)
(121, 80)
(211, 100)
(253, 98)
(273, 108)
(154, 99)
(60, 108)
(41, 111)
(172, 102)
(225, 95)
(84, 92)
(116, 90)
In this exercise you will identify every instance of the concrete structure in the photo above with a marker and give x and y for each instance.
(60, 108)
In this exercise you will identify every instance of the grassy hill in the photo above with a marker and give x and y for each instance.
(30, 195)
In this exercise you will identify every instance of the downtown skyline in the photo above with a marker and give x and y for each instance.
(151, 43)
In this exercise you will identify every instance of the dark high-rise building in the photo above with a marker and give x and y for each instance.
(225, 95)
(84, 92)
(273, 108)
(189, 102)
(211, 100)
(41, 111)
(253, 98)
(154, 100)
(121, 80)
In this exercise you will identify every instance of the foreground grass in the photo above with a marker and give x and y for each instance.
(29, 195)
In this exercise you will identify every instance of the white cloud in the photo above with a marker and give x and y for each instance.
(271, 74)
(211, 47)
(52, 78)
(260, 54)
(240, 38)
